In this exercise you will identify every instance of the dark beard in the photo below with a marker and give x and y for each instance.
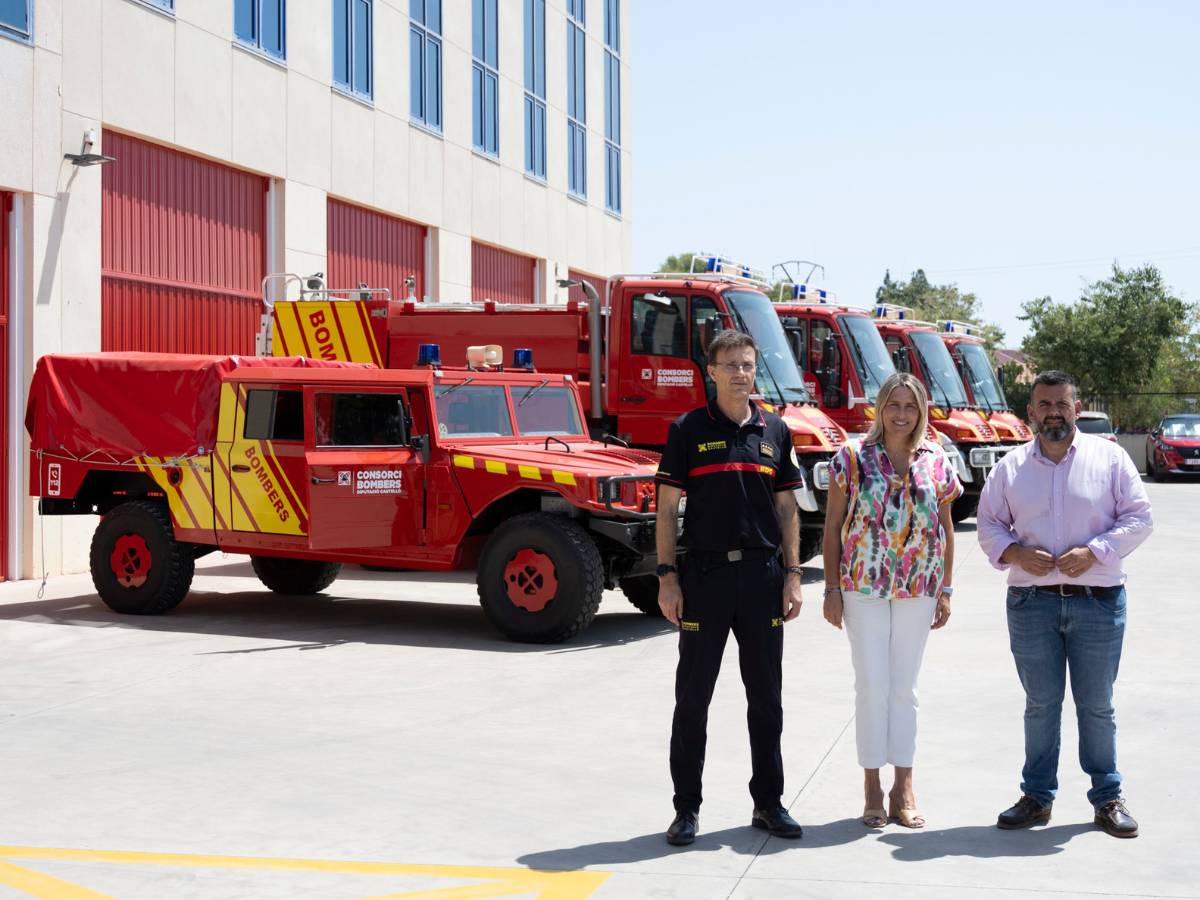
(1055, 433)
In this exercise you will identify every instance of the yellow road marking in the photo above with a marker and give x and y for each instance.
(499, 882)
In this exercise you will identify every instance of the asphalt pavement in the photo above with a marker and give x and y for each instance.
(381, 740)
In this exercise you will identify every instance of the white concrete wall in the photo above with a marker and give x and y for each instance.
(183, 81)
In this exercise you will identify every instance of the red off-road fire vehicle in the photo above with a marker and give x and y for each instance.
(305, 466)
(984, 389)
(638, 356)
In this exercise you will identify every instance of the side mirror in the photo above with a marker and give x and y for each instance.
(1000, 377)
(831, 373)
(420, 443)
(900, 359)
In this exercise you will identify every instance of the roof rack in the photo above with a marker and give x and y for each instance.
(714, 264)
(955, 326)
(896, 313)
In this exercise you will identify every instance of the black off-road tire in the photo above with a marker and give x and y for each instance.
(963, 507)
(576, 566)
(642, 592)
(138, 567)
(294, 576)
(810, 544)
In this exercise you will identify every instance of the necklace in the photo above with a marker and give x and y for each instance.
(900, 469)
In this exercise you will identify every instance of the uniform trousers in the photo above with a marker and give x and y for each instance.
(887, 642)
(745, 597)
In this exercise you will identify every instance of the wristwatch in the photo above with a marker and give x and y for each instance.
(794, 570)
(663, 569)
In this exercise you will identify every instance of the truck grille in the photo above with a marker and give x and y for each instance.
(833, 435)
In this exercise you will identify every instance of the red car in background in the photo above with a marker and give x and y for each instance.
(1173, 447)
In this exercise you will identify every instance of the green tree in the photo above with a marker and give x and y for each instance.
(937, 303)
(1016, 393)
(681, 262)
(1128, 341)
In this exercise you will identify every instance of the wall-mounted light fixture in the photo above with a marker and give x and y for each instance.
(85, 157)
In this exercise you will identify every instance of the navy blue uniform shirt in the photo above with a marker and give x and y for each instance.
(731, 474)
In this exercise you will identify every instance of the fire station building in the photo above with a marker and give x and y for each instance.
(158, 158)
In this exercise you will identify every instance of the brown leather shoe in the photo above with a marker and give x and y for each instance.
(1023, 813)
(1114, 818)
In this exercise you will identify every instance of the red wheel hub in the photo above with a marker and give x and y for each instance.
(530, 580)
(130, 560)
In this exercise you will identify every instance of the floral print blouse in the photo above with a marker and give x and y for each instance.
(892, 541)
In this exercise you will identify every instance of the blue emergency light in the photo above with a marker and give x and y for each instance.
(429, 355)
(523, 358)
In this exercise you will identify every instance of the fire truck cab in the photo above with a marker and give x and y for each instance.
(984, 389)
(306, 466)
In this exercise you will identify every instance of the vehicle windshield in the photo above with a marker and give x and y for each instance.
(1094, 425)
(778, 379)
(551, 410)
(871, 358)
(945, 387)
(473, 411)
(984, 386)
(1181, 428)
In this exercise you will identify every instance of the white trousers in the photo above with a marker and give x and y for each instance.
(887, 641)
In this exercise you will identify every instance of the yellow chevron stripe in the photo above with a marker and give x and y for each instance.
(151, 465)
(287, 333)
(563, 477)
(530, 472)
(464, 462)
(226, 416)
(192, 488)
(360, 342)
(283, 474)
(495, 467)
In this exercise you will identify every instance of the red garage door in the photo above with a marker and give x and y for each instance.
(576, 293)
(501, 275)
(5, 269)
(183, 252)
(366, 246)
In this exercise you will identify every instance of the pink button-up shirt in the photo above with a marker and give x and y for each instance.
(1093, 497)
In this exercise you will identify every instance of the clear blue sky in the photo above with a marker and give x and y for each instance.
(1014, 149)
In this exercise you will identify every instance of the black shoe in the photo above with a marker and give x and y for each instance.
(683, 829)
(1023, 813)
(1114, 818)
(777, 821)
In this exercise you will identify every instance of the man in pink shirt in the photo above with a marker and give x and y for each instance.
(1060, 513)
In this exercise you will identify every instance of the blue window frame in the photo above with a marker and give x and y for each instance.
(612, 105)
(261, 24)
(485, 78)
(353, 46)
(168, 5)
(16, 19)
(576, 99)
(425, 62)
(535, 88)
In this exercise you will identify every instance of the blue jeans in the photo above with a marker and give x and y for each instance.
(1049, 636)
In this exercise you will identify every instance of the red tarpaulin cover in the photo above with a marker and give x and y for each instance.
(136, 404)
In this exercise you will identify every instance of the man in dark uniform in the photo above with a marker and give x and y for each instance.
(737, 465)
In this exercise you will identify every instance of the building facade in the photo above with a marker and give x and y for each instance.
(451, 149)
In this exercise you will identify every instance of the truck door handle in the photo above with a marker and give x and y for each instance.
(634, 399)
(316, 480)
(238, 467)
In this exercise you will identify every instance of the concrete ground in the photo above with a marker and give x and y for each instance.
(383, 740)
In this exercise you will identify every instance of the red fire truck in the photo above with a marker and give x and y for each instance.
(916, 347)
(984, 389)
(305, 465)
(638, 356)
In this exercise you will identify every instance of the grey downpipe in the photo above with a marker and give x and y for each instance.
(595, 327)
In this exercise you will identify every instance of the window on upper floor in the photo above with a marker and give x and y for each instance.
(261, 24)
(425, 62)
(16, 19)
(576, 99)
(612, 105)
(535, 88)
(353, 50)
(485, 78)
(168, 5)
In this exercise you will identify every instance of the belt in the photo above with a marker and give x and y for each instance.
(737, 555)
(1071, 590)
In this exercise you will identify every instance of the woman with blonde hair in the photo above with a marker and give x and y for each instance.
(889, 557)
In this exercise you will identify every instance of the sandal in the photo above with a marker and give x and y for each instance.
(874, 818)
(908, 816)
